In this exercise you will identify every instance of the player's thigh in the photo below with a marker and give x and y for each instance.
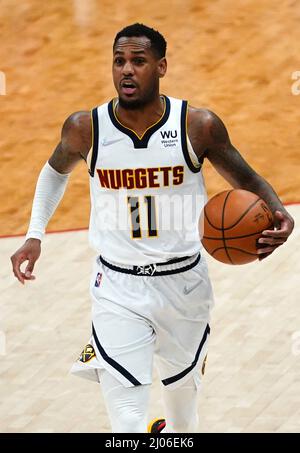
(122, 337)
(182, 325)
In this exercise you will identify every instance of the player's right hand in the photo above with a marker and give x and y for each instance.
(30, 251)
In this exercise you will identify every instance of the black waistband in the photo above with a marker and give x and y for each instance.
(152, 270)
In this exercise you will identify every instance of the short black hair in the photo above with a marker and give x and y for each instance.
(158, 42)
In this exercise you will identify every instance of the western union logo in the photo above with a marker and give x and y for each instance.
(168, 134)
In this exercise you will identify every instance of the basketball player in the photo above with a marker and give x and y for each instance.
(150, 289)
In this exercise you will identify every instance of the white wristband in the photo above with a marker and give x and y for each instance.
(50, 188)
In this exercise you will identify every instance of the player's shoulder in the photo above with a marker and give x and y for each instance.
(202, 115)
(82, 120)
(77, 131)
(204, 120)
(78, 121)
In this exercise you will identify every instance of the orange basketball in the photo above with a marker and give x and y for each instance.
(231, 223)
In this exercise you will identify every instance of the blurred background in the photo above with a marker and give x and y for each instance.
(235, 58)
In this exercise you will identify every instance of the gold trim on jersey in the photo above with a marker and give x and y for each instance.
(151, 203)
(90, 153)
(140, 137)
(136, 216)
(203, 365)
(192, 154)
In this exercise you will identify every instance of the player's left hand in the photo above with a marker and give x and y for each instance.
(272, 239)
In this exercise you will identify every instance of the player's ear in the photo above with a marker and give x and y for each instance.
(162, 67)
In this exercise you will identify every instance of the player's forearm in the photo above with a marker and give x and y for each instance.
(261, 187)
(49, 191)
(232, 166)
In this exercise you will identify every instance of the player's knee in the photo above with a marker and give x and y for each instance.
(183, 424)
(126, 406)
(129, 420)
(183, 421)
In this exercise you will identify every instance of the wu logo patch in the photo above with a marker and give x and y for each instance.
(98, 280)
(87, 354)
(169, 139)
(168, 134)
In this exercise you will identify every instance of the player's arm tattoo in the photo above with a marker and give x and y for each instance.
(232, 166)
(62, 161)
(75, 143)
(224, 156)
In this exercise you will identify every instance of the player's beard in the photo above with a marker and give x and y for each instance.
(141, 102)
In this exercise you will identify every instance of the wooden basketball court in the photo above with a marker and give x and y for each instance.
(251, 382)
(235, 59)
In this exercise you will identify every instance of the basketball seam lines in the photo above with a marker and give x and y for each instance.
(223, 230)
(223, 219)
(231, 226)
(232, 237)
(234, 248)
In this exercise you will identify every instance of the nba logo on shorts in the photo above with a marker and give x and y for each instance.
(98, 280)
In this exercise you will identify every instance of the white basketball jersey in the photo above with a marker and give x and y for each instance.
(146, 192)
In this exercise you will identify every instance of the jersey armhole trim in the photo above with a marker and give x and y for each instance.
(184, 144)
(95, 140)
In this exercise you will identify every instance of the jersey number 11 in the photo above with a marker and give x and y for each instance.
(134, 206)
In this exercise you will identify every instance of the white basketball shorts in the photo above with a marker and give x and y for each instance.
(140, 313)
